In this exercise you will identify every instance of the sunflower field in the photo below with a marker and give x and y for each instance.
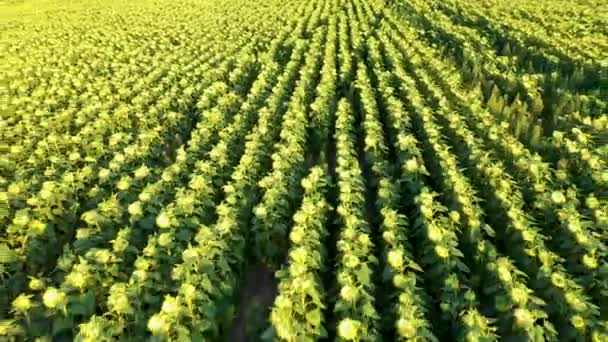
(322, 170)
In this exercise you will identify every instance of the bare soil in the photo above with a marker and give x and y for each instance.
(257, 296)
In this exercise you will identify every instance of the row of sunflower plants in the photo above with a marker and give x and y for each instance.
(210, 268)
(86, 97)
(370, 10)
(527, 247)
(361, 19)
(49, 211)
(401, 275)
(555, 203)
(568, 303)
(345, 56)
(185, 217)
(324, 105)
(355, 312)
(171, 90)
(553, 282)
(90, 269)
(298, 310)
(519, 312)
(316, 20)
(309, 14)
(590, 125)
(508, 80)
(529, 47)
(436, 229)
(583, 163)
(597, 208)
(551, 43)
(446, 273)
(136, 159)
(93, 146)
(53, 212)
(357, 318)
(301, 295)
(270, 224)
(356, 36)
(585, 168)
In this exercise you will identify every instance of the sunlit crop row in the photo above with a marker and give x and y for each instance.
(400, 170)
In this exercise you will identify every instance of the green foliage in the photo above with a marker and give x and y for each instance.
(412, 170)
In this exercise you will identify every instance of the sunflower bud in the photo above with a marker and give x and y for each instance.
(455, 216)
(163, 220)
(296, 236)
(400, 281)
(36, 284)
(558, 197)
(395, 259)
(578, 322)
(558, 280)
(37, 227)
(171, 306)
(388, 236)
(406, 328)
(142, 172)
(348, 329)
(260, 212)
(165, 239)
(135, 209)
(54, 299)
(442, 252)
(349, 293)
(434, 233)
(159, 324)
(504, 274)
(523, 318)
(124, 183)
(590, 261)
(351, 261)
(104, 174)
(411, 165)
(519, 296)
(22, 303)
